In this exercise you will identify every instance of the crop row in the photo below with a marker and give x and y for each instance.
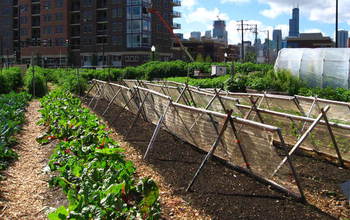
(12, 108)
(93, 173)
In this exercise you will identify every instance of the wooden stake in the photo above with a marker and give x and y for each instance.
(136, 117)
(212, 150)
(156, 131)
(301, 140)
(341, 162)
(110, 103)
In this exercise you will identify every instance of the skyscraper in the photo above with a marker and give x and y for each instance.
(277, 39)
(343, 38)
(219, 31)
(208, 34)
(196, 35)
(294, 24)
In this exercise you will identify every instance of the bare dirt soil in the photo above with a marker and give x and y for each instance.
(25, 193)
(220, 192)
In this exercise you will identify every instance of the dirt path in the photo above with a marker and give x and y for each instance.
(25, 189)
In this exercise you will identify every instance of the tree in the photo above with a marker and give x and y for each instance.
(208, 59)
(250, 57)
(199, 58)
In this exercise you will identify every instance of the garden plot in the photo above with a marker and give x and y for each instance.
(161, 106)
(262, 151)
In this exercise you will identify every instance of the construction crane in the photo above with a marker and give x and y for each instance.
(170, 29)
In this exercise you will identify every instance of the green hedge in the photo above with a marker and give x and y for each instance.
(154, 70)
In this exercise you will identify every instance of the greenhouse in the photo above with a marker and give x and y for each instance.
(321, 67)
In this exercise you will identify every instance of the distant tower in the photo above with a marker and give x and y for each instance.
(343, 38)
(277, 39)
(219, 31)
(196, 35)
(208, 34)
(294, 23)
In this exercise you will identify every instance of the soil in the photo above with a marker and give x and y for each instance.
(25, 193)
(221, 192)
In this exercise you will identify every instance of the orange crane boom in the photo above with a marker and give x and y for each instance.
(168, 27)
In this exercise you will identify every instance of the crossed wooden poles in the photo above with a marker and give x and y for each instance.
(139, 101)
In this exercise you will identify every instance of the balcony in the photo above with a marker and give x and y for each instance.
(176, 14)
(176, 26)
(176, 3)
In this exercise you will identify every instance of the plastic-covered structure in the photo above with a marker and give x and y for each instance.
(320, 67)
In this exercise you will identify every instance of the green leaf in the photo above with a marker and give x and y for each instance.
(61, 213)
(109, 151)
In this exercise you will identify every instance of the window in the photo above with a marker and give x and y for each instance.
(59, 16)
(87, 15)
(138, 26)
(117, 12)
(59, 3)
(87, 3)
(87, 28)
(116, 40)
(134, 12)
(47, 5)
(59, 29)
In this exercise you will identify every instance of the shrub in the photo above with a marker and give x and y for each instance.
(236, 83)
(10, 79)
(40, 84)
(74, 83)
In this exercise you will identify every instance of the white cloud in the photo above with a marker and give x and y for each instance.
(234, 1)
(188, 3)
(205, 16)
(315, 10)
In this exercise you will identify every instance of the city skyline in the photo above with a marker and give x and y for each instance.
(268, 15)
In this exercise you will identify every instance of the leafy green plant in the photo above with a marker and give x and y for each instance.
(36, 83)
(10, 79)
(12, 108)
(74, 83)
(98, 181)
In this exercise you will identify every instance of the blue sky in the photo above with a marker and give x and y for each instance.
(316, 15)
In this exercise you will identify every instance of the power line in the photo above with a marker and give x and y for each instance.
(246, 27)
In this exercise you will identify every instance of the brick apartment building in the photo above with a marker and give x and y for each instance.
(85, 32)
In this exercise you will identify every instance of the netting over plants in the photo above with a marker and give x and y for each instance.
(252, 138)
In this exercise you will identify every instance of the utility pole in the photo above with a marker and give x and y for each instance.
(242, 50)
(246, 27)
(336, 23)
(268, 46)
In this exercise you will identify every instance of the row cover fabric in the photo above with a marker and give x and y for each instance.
(320, 67)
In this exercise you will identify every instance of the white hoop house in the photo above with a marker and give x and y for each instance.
(321, 67)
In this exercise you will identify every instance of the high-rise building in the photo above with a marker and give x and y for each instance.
(9, 32)
(87, 33)
(208, 34)
(343, 37)
(219, 31)
(196, 35)
(294, 23)
(277, 39)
